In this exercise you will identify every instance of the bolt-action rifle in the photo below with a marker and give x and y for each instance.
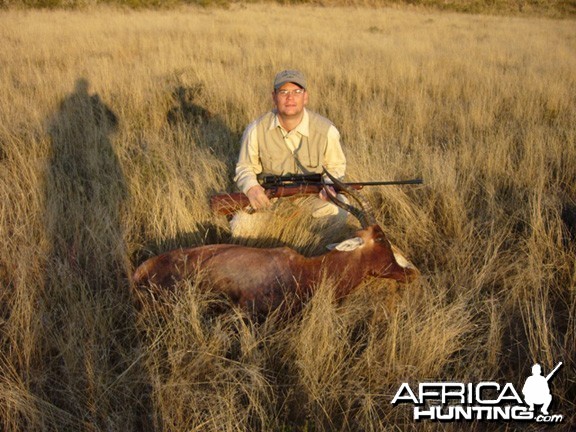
(287, 186)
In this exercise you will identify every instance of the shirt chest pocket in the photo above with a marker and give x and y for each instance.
(308, 154)
(277, 159)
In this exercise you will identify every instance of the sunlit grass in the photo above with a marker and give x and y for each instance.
(481, 107)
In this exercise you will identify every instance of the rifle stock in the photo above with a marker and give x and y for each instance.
(228, 203)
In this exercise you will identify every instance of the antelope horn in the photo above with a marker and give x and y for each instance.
(365, 214)
(356, 212)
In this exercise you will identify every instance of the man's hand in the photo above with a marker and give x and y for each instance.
(257, 196)
(323, 196)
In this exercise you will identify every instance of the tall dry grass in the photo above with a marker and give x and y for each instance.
(103, 162)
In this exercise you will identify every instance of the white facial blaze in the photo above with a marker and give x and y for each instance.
(401, 259)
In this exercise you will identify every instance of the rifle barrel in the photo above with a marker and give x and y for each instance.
(295, 179)
(386, 183)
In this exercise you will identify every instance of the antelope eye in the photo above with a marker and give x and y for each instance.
(379, 239)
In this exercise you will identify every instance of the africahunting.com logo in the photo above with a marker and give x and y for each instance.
(483, 401)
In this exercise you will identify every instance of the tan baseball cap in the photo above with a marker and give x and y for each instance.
(289, 76)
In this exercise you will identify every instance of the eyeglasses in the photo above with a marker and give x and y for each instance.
(285, 93)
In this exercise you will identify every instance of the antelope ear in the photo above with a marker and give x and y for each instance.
(347, 245)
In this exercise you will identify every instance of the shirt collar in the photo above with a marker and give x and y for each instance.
(303, 128)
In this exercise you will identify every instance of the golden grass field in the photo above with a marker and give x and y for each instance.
(115, 128)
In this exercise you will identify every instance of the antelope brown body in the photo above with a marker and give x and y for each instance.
(261, 279)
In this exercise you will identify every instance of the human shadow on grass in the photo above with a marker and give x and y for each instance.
(207, 128)
(89, 334)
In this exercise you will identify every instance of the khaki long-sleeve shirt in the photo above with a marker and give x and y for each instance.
(268, 149)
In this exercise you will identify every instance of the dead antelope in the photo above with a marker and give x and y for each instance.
(260, 279)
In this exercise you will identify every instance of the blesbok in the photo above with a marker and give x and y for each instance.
(260, 279)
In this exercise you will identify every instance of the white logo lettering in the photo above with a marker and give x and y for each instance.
(484, 401)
